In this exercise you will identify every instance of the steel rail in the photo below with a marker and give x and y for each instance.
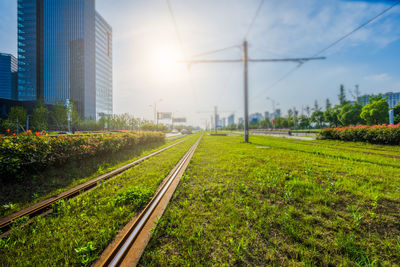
(40, 207)
(119, 252)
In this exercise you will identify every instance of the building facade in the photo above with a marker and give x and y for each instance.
(231, 120)
(255, 117)
(392, 99)
(104, 82)
(8, 76)
(57, 53)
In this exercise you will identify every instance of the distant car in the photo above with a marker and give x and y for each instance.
(185, 131)
(174, 131)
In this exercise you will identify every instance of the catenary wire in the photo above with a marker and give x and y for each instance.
(329, 46)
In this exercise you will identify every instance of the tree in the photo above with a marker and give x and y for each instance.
(318, 117)
(308, 111)
(376, 112)
(342, 95)
(304, 122)
(60, 115)
(40, 117)
(396, 111)
(328, 104)
(350, 114)
(73, 115)
(17, 115)
(316, 106)
(331, 116)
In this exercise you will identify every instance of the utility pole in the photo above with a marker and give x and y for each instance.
(245, 61)
(215, 118)
(246, 93)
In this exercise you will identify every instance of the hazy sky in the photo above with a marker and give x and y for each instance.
(145, 48)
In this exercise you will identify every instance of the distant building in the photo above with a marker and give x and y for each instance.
(255, 117)
(58, 57)
(8, 76)
(104, 86)
(277, 113)
(267, 115)
(240, 121)
(223, 122)
(391, 98)
(231, 120)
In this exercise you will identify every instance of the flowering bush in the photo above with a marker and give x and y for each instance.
(377, 134)
(27, 152)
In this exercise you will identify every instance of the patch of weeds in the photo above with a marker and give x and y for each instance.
(349, 247)
(86, 253)
(135, 196)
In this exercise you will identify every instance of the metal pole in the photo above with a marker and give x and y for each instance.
(215, 118)
(27, 123)
(246, 100)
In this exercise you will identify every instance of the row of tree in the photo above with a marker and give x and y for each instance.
(61, 117)
(344, 114)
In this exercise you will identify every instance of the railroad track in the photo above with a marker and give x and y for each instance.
(128, 247)
(44, 207)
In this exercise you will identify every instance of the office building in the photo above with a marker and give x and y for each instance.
(231, 120)
(57, 54)
(255, 117)
(104, 92)
(277, 113)
(391, 98)
(8, 76)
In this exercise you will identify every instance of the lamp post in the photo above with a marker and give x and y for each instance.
(155, 111)
(27, 122)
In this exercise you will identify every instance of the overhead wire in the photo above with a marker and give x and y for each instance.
(331, 45)
(254, 19)
(177, 32)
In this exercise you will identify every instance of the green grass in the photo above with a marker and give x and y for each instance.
(79, 230)
(23, 193)
(292, 203)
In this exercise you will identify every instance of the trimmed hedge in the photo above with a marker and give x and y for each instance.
(27, 153)
(377, 134)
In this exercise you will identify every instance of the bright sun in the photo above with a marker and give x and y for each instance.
(165, 63)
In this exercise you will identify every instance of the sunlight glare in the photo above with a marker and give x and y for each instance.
(165, 63)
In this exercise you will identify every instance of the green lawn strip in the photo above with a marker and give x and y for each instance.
(330, 151)
(79, 230)
(387, 151)
(242, 205)
(22, 194)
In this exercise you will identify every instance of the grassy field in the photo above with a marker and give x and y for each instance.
(79, 230)
(25, 192)
(283, 202)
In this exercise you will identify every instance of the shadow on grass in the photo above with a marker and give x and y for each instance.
(54, 180)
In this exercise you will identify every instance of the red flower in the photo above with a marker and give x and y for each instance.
(8, 130)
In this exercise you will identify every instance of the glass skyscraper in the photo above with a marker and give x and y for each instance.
(8, 76)
(104, 93)
(57, 52)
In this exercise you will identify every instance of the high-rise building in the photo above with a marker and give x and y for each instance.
(277, 113)
(231, 120)
(57, 52)
(8, 76)
(104, 93)
(391, 98)
(255, 117)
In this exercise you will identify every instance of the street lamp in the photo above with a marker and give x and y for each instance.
(155, 110)
(27, 122)
(273, 105)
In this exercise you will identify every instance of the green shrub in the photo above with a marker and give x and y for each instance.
(27, 153)
(377, 134)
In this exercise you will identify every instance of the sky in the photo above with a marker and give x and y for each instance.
(146, 50)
